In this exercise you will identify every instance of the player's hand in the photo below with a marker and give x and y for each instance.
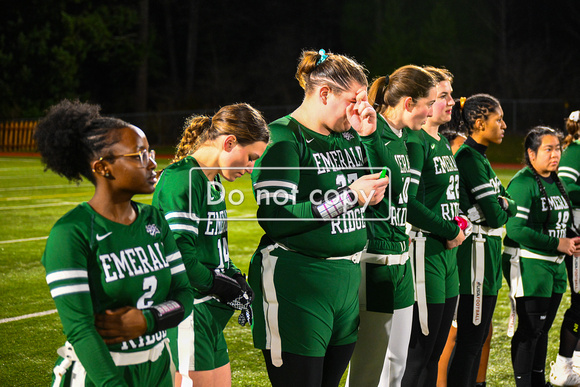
(370, 189)
(361, 115)
(450, 244)
(569, 246)
(224, 288)
(241, 280)
(118, 325)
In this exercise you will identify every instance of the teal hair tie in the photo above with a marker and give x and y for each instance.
(323, 56)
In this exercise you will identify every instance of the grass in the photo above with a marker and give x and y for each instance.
(31, 201)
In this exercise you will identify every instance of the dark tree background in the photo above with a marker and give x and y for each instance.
(137, 56)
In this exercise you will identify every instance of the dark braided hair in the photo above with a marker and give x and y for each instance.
(533, 141)
(477, 106)
(73, 134)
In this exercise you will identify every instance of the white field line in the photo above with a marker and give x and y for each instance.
(10, 319)
(37, 206)
(39, 187)
(37, 197)
(35, 176)
(23, 240)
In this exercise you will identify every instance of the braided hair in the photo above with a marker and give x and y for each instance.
(240, 120)
(72, 135)
(532, 142)
(464, 115)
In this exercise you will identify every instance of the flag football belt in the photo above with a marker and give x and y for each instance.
(417, 251)
(576, 218)
(485, 230)
(478, 266)
(516, 285)
(386, 259)
(354, 257)
(120, 359)
(551, 258)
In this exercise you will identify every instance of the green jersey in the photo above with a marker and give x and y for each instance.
(94, 264)
(480, 185)
(569, 171)
(527, 227)
(298, 167)
(386, 223)
(196, 212)
(434, 185)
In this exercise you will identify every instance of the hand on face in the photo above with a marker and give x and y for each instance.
(361, 115)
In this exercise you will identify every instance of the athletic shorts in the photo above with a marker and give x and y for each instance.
(198, 343)
(441, 276)
(302, 304)
(493, 265)
(385, 288)
(542, 278)
(148, 374)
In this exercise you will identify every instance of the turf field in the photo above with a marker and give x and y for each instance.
(30, 332)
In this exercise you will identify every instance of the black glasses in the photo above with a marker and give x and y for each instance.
(144, 157)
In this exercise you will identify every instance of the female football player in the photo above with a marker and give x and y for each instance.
(488, 206)
(535, 247)
(433, 206)
(110, 256)
(311, 189)
(403, 100)
(566, 369)
(190, 194)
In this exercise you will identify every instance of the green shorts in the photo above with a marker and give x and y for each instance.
(542, 278)
(493, 265)
(534, 277)
(148, 374)
(198, 343)
(303, 304)
(441, 276)
(385, 288)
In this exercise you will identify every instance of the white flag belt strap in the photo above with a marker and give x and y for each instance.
(416, 230)
(270, 303)
(354, 257)
(120, 358)
(576, 218)
(478, 273)
(516, 288)
(485, 230)
(386, 259)
(417, 251)
(551, 258)
(576, 273)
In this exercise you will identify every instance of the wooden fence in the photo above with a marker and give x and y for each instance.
(16, 136)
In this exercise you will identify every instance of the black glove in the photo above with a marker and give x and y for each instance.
(241, 279)
(224, 288)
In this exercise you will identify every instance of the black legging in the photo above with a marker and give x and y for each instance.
(569, 333)
(530, 341)
(307, 371)
(425, 351)
(470, 340)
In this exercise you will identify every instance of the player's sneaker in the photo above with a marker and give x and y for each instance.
(561, 373)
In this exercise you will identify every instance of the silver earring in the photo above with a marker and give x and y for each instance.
(107, 174)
